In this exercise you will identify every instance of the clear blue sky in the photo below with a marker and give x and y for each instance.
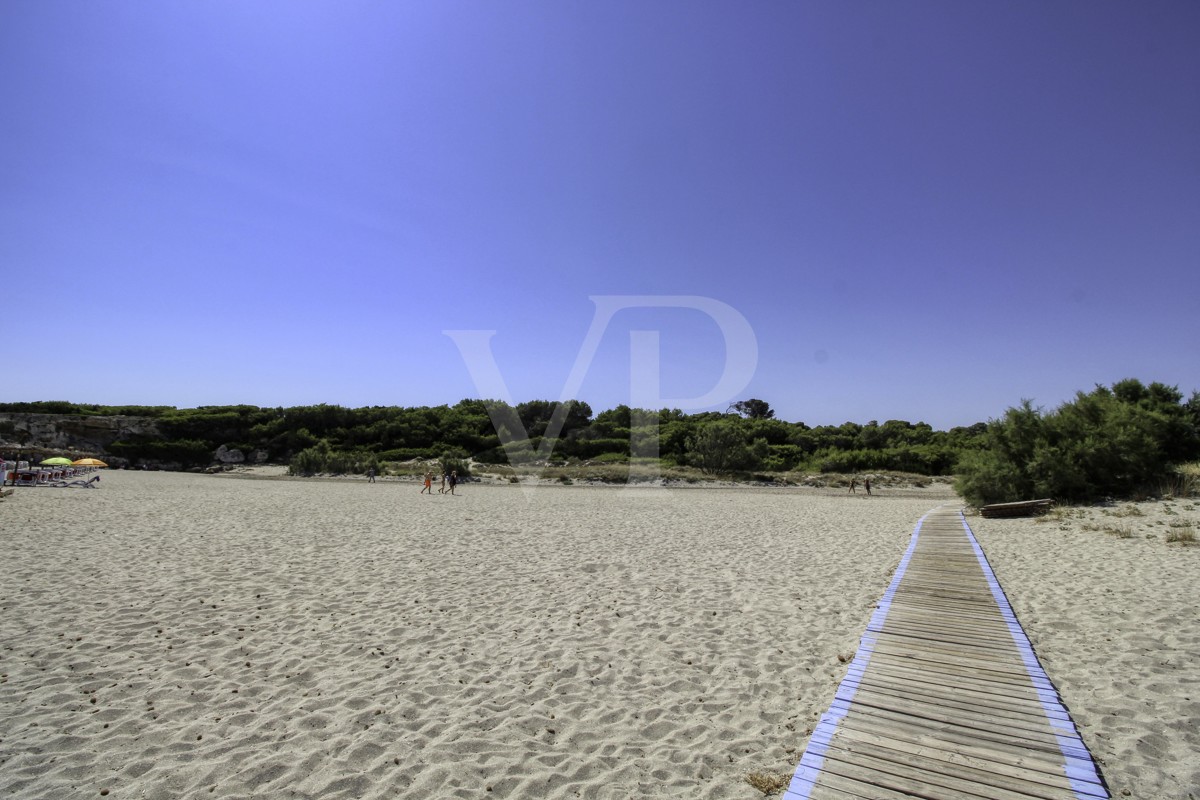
(924, 210)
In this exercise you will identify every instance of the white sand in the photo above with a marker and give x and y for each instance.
(1114, 622)
(173, 635)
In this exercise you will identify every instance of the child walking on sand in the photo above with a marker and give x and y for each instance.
(428, 483)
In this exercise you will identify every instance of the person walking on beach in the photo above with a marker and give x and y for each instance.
(453, 480)
(854, 485)
(428, 483)
(371, 475)
(867, 484)
(443, 489)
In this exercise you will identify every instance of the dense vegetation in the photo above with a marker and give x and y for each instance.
(326, 438)
(1110, 442)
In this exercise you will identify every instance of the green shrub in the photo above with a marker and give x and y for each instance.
(323, 458)
(406, 454)
(455, 461)
(494, 455)
(185, 452)
(1106, 443)
(610, 458)
(719, 448)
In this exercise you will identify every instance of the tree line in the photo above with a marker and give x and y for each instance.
(1111, 441)
(745, 438)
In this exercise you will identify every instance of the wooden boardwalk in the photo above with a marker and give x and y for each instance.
(945, 697)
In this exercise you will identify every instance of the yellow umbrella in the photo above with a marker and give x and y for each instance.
(88, 462)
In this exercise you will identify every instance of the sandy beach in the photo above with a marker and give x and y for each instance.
(1113, 621)
(173, 635)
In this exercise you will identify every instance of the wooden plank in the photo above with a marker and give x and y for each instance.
(898, 779)
(934, 607)
(1009, 662)
(982, 691)
(912, 624)
(948, 675)
(923, 614)
(946, 655)
(978, 720)
(1046, 774)
(918, 614)
(947, 589)
(852, 787)
(906, 629)
(824, 792)
(932, 737)
(1021, 508)
(957, 777)
(953, 707)
(954, 695)
(898, 722)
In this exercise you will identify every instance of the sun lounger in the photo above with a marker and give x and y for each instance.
(26, 478)
(90, 483)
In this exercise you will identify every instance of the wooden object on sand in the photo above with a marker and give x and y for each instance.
(1022, 508)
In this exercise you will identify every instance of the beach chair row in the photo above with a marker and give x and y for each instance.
(43, 476)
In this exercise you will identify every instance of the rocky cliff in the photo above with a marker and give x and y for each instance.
(72, 433)
(119, 440)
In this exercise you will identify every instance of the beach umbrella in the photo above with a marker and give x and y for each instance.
(88, 462)
(57, 461)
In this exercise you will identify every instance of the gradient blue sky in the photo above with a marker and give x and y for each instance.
(924, 210)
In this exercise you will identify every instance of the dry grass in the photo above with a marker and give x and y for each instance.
(407, 469)
(841, 480)
(768, 782)
(1184, 483)
(1182, 534)
(1061, 514)
(1126, 511)
(612, 472)
(1120, 531)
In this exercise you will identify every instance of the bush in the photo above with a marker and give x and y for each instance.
(455, 461)
(720, 447)
(406, 454)
(1105, 443)
(591, 448)
(494, 455)
(185, 452)
(323, 458)
(610, 458)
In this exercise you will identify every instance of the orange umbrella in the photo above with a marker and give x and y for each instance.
(88, 462)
